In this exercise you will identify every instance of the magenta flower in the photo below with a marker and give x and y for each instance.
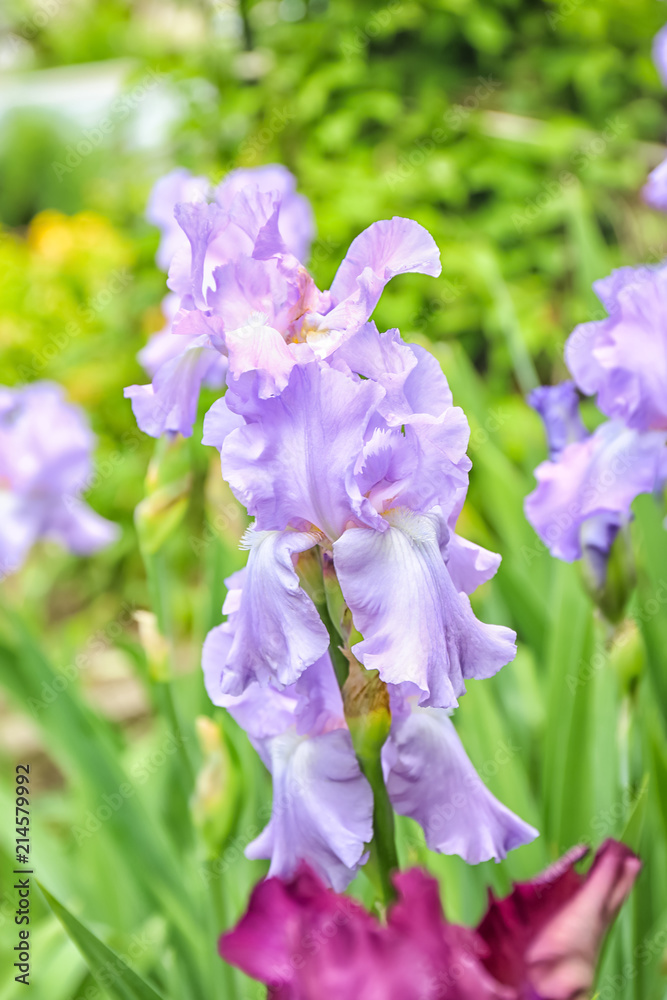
(540, 943)
(45, 462)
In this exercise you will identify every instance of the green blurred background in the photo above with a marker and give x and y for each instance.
(519, 133)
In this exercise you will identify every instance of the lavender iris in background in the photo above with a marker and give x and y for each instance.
(45, 462)
(586, 488)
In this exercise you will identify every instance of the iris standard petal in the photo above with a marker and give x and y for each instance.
(295, 461)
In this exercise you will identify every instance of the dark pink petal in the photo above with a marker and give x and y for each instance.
(545, 937)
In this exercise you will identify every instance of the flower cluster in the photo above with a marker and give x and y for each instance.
(344, 445)
(45, 463)
(587, 486)
(540, 943)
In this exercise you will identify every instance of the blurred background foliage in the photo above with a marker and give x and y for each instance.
(519, 132)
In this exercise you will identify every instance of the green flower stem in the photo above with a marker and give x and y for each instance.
(338, 658)
(384, 859)
(366, 702)
(367, 712)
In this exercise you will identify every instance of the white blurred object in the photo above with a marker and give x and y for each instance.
(114, 91)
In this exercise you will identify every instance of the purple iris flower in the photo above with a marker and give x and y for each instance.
(660, 53)
(623, 359)
(558, 405)
(584, 494)
(654, 191)
(45, 462)
(183, 356)
(379, 483)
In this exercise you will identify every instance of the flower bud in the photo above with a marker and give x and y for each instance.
(154, 644)
(610, 577)
(367, 710)
(215, 798)
(627, 654)
(168, 483)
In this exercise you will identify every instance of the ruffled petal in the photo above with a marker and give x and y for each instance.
(296, 462)
(277, 630)
(601, 475)
(431, 779)
(623, 359)
(296, 223)
(544, 939)
(383, 250)
(177, 186)
(418, 629)
(322, 807)
(259, 348)
(219, 422)
(170, 403)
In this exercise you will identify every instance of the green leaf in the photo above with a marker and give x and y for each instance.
(632, 832)
(111, 973)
